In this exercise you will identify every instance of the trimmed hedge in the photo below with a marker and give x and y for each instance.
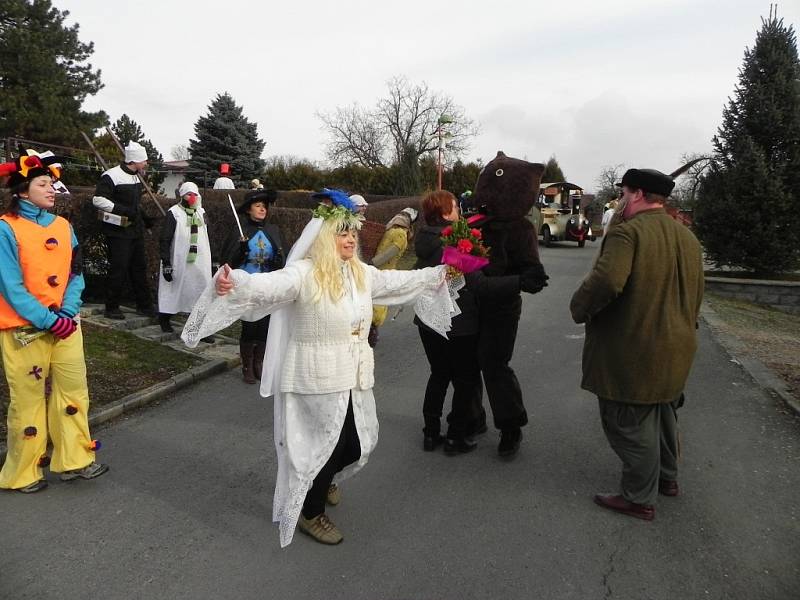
(291, 212)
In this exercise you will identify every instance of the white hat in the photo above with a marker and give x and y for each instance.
(411, 212)
(187, 187)
(135, 152)
(358, 200)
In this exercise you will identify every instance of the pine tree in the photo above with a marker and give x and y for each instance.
(224, 135)
(552, 171)
(747, 210)
(44, 76)
(128, 130)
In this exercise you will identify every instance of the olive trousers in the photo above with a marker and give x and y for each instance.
(645, 437)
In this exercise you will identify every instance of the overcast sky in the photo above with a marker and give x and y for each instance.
(595, 83)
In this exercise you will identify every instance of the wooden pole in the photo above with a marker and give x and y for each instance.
(96, 153)
(139, 175)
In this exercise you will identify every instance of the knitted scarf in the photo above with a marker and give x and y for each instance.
(194, 221)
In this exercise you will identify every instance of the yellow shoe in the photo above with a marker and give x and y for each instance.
(321, 528)
(334, 495)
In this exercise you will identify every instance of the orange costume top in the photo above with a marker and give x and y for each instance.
(45, 254)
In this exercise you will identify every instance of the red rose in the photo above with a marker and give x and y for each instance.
(476, 233)
(447, 231)
(464, 246)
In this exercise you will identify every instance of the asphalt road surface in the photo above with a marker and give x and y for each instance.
(185, 510)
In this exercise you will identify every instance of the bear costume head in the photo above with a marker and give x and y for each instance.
(507, 187)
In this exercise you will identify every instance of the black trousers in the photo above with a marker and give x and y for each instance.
(346, 452)
(127, 261)
(455, 361)
(497, 337)
(255, 331)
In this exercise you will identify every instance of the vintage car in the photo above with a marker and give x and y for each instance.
(562, 218)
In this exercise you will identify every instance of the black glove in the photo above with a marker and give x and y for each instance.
(166, 271)
(372, 336)
(533, 279)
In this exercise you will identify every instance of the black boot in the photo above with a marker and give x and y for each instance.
(459, 445)
(163, 320)
(258, 358)
(509, 441)
(246, 352)
(433, 438)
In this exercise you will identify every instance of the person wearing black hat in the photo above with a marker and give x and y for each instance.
(259, 251)
(640, 304)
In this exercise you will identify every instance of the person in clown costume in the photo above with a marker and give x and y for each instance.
(40, 334)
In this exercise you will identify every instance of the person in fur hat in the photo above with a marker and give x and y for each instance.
(185, 256)
(321, 370)
(259, 251)
(41, 341)
(505, 191)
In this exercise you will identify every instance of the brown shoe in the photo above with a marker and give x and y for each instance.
(618, 504)
(321, 528)
(668, 487)
(334, 495)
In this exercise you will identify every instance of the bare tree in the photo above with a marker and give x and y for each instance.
(405, 122)
(180, 152)
(606, 183)
(688, 183)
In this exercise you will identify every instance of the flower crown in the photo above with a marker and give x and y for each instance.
(347, 219)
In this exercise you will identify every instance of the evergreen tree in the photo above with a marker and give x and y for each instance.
(747, 208)
(44, 76)
(224, 135)
(552, 171)
(128, 130)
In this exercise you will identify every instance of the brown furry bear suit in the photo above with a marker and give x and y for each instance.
(506, 190)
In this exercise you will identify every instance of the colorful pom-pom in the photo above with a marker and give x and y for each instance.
(71, 409)
(30, 432)
(51, 244)
(95, 445)
(44, 461)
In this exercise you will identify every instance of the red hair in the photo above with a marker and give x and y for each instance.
(435, 205)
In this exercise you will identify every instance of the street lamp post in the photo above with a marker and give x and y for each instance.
(443, 120)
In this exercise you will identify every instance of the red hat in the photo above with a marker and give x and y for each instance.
(224, 169)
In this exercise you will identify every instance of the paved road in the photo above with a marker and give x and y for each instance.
(185, 511)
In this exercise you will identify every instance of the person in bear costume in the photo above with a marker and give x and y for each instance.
(505, 192)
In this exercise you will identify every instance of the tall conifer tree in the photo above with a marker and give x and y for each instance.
(747, 214)
(224, 135)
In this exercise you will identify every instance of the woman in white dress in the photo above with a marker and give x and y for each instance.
(321, 374)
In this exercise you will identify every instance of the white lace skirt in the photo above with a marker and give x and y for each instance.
(312, 425)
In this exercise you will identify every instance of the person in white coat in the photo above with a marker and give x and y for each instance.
(185, 256)
(322, 377)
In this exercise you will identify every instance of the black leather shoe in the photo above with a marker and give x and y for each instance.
(146, 311)
(453, 446)
(431, 442)
(509, 441)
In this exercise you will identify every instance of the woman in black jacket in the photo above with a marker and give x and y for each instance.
(259, 251)
(453, 360)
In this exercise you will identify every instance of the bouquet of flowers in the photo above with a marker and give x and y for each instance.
(463, 248)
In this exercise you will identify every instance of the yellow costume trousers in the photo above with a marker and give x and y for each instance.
(33, 416)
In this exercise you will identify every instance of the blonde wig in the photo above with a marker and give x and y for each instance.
(327, 263)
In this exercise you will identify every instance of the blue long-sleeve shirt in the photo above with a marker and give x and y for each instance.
(12, 286)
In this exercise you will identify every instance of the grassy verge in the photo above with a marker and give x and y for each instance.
(771, 336)
(117, 364)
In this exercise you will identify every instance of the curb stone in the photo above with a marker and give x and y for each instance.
(768, 381)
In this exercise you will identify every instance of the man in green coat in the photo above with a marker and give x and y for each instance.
(640, 304)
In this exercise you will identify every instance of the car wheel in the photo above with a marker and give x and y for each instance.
(546, 238)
